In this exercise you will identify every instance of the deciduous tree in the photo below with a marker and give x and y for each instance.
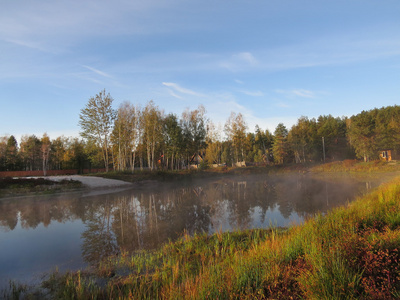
(361, 133)
(125, 135)
(96, 121)
(151, 122)
(45, 150)
(173, 138)
(194, 130)
(30, 152)
(235, 130)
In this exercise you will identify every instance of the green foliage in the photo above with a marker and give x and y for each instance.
(280, 147)
(374, 130)
(96, 121)
(147, 138)
(173, 138)
(193, 124)
(235, 129)
(14, 290)
(362, 135)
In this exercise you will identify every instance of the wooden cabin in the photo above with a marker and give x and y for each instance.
(389, 155)
(386, 155)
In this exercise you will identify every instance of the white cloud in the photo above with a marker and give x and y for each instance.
(239, 62)
(182, 90)
(175, 95)
(246, 57)
(253, 93)
(98, 72)
(297, 93)
(28, 44)
(304, 93)
(282, 105)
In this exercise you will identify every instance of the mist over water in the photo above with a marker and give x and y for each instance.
(75, 230)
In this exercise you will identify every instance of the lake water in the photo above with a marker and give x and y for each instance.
(69, 231)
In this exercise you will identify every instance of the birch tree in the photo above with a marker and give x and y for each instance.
(214, 145)
(125, 135)
(96, 121)
(152, 131)
(235, 129)
(45, 150)
(194, 130)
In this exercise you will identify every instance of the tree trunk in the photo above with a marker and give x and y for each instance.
(148, 156)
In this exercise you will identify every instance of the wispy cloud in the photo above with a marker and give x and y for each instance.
(330, 50)
(246, 57)
(175, 95)
(253, 93)
(239, 61)
(98, 72)
(28, 44)
(176, 87)
(297, 93)
(282, 105)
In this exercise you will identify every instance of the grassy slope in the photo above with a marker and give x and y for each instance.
(350, 253)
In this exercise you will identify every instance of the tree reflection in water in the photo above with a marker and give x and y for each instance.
(99, 241)
(143, 218)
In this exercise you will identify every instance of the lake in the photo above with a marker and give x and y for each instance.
(70, 231)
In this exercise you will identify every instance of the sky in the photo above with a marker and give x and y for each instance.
(272, 61)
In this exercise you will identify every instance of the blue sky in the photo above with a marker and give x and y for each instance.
(272, 61)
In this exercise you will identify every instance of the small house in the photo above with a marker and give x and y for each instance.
(195, 160)
(388, 155)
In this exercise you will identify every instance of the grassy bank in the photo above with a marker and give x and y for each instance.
(354, 166)
(350, 253)
(34, 186)
(163, 175)
(346, 166)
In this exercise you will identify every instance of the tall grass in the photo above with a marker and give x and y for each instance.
(350, 253)
(354, 166)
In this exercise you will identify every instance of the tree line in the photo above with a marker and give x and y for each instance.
(132, 137)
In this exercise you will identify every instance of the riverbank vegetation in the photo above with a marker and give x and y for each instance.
(354, 166)
(350, 253)
(33, 186)
(131, 137)
(346, 166)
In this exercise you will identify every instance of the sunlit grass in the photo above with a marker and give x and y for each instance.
(352, 166)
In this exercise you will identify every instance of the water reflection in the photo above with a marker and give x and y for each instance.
(143, 218)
